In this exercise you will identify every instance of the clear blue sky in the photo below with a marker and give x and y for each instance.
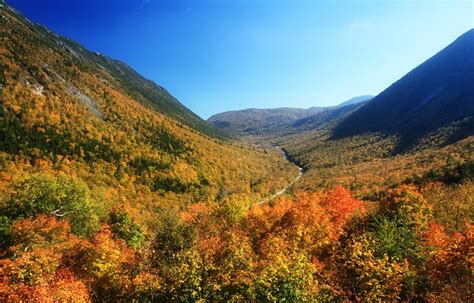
(222, 55)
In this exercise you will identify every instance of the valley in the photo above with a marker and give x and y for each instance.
(112, 190)
(290, 185)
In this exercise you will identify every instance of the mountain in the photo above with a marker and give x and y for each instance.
(69, 111)
(260, 120)
(438, 95)
(140, 88)
(356, 100)
(325, 118)
(253, 119)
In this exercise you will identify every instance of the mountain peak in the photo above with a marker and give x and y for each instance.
(434, 95)
(469, 33)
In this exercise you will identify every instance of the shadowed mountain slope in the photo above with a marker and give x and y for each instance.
(437, 94)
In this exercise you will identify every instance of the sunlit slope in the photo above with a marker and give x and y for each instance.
(65, 109)
(124, 77)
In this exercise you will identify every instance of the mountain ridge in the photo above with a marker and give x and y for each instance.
(435, 94)
(145, 90)
(257, 119)
(64, 104)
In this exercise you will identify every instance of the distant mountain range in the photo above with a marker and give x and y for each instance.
(256, 120)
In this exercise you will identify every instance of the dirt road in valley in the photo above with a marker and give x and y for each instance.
(286, 188)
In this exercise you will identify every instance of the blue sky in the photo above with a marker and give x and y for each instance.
(224, 55)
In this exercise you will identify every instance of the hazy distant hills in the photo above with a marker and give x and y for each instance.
(437, 94)
(253, 119)
(324, 119)
(256, 120)
(356, 100)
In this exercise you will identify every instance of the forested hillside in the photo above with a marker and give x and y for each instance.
(86, 143)
(62, 108)
(124, 78)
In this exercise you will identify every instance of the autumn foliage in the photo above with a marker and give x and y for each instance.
(321, 247)
(107, 195)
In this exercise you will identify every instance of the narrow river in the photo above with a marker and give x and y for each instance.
(285, 155)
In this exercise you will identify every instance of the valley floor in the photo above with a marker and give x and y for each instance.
(290, 185)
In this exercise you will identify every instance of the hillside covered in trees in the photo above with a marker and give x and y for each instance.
(112, 191)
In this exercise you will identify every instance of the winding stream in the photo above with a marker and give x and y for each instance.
(285, 155)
